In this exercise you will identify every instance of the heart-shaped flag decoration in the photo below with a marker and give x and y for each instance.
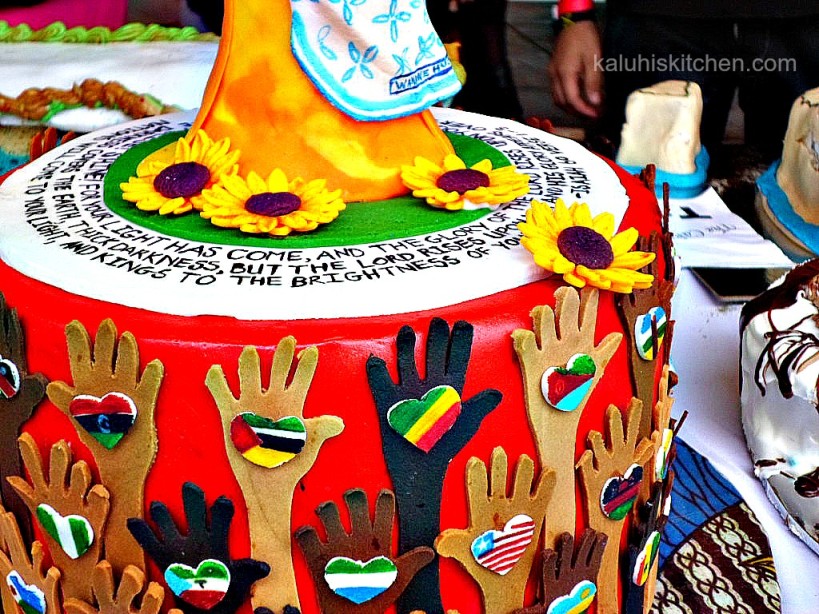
(9, 378)
(661, 458)
(106, 419)
(619, 493)
(645, 559)
(565, 387)
(358, 581)
(29, 598)
(643, 336)
(499, 551)
(74, 534)
(203, 587)
(424, 421)
(578, 600)
(265, 442)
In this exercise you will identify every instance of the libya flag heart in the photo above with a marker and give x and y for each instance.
(424, 421)
(29, 598)
(73, 533)
(9, 379)
(203, 587)
(266, 442)
(358, 581)
(564, 388)
(106, 419)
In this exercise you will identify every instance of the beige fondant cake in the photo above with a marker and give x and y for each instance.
(798, 173)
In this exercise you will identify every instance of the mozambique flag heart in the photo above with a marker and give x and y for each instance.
(424, 421)
(73, 533)
(266, 442)
(106, 419)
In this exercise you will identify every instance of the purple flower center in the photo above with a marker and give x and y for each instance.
(584, 246)
(462, 180)
(273, 204)
(184, 180)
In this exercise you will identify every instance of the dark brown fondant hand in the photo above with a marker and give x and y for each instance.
(367, 547)
(118, 599)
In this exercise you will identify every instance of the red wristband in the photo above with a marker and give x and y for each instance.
(574, 6)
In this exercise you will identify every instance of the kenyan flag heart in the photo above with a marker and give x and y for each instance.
(29, 598)
(9, 379)
(619, 493)
(265, 442)
(358, 581)
(424, 421)
(643, 336)
(203, 587)
(645, 559)
(106, 419)
(565, 387)
(73, 533)
(499, 551)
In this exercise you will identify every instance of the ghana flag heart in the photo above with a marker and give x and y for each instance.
(645, 559)
(424, 421)
(203, 587)
(643, 336)
(565, 387)
(9, 378)
(29, 598)
(358, 581)
(499, 551)
(619, 493)
(106, 419)
(265, 442)
(578, 600)
(74, 534)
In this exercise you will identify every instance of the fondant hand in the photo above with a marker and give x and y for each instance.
(570, 573)
(112, 407)
(418, 475)
(54, 495)
(268, 474)
(203, 552)
(20, 392)
(557, 338)
(118, 599)
(34, 584)
(610, 475)
(501, 571)
(368, 545)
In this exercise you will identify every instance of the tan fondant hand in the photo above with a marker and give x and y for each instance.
(54, 494)
(112, 366)
(268, 492)
(503, 570)
(557, 336)
(113, 599)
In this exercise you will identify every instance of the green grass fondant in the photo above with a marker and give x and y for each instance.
(384, 220)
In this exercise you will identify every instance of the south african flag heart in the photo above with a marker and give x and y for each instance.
(9, 378)
(424, 421)
(73, 533)
(565, 387)
(203, 587)
(266, 442)
(106, 419)
(358, 581)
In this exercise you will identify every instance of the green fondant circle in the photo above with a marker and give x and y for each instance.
(359, 223)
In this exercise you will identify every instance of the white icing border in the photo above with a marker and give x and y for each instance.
(33, 237)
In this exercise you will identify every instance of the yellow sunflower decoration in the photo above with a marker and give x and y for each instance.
(453, 186)
(273, 206)
(174, 184)
(585, 250)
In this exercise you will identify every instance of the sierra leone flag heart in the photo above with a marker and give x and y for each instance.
(9, 379)
(73, 533)
(29, 598)
(203, 587)
(619, 493)
(358, 581)
(565, 388)
(106, 419)
(643, 336)
(499, 551)
(265, 442)
(423, 422)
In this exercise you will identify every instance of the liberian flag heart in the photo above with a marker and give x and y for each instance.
(29, 598)
(203, 587)
(619, 493)
(643, 337)
(9, 378)
(73, 533)
(499, 551)
(106, 419)
(424, 421)
(265, 442)
(565, 388)
(358, 581)
(646, 558)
